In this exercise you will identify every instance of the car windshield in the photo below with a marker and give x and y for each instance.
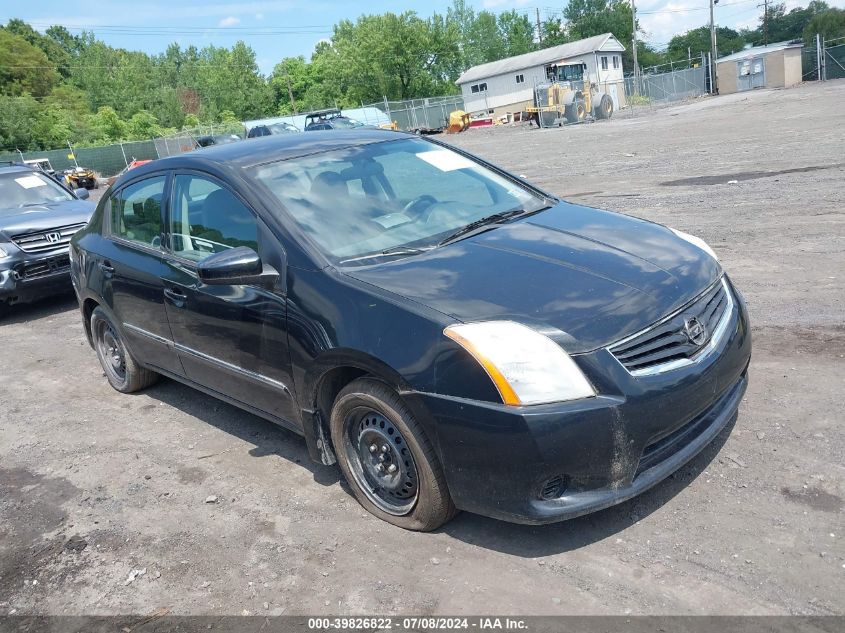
(26, 188)
(345, 123)
(396, 196)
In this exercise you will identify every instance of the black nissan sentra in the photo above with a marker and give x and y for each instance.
(452, 336)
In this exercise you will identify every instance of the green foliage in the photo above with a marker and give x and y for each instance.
(484, 37)
(697, 41)
(106, 126)
(24, 68)
(830, 24)
(587, 18)
(142, 125)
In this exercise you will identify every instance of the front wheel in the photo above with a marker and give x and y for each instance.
(605, 109)
(122, 371)
(387, 460)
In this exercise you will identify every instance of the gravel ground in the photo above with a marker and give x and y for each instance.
(105, 498)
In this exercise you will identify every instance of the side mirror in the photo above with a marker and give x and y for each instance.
(82, 194)
(237, 266)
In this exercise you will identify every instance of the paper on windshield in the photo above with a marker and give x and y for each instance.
(445, 160)
(29, 182)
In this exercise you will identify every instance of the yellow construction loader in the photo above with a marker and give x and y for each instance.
(569, 97)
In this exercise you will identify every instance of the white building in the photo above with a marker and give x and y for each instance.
(507, 85)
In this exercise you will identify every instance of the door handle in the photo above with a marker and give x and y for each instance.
(106, 268)
(176, 297)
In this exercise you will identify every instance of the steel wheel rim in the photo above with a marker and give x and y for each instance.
(380, 461)
(111, 351)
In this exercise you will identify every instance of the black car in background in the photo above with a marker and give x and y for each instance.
(38, 217)
(331, 119)
(272, 129)
(217, 139)
(452, 336)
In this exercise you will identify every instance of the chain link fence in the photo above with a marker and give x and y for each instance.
(651, 90)
(419, 114)
(824, 60)
(108, 160)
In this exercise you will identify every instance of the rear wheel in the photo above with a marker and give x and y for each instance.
(387, 460)
(122, 371)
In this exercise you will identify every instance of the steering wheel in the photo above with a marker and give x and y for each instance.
(414, 205)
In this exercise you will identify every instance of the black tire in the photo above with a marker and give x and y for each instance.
(576, 112)
(605, 109)
(122, 371)
(368, 408)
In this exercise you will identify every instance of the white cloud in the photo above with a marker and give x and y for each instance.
(229, 21)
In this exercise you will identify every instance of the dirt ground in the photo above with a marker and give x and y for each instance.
(103, 496)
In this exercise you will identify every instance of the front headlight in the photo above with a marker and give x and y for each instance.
(526, 366)
(3, 253)
(695, 241)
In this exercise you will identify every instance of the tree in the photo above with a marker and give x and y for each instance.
(398, 56)
(54, 50)
(697, 41)
(586, 18)
(106, 126)
(24, 68)
(142, 125)
(830, 24)
(17, 122)
(485, 37)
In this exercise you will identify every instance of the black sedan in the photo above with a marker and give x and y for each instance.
(452, 336)
(38, 216)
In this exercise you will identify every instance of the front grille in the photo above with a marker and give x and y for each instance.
(674, 338)
(39, 241)
(662, 448)
(43, 267)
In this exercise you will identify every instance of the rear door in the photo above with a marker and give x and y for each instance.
(131, 264)
(232, 338)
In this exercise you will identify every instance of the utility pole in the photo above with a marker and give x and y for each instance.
(634, 42)
(290, 89)
(539, 28)
(765, 6)
(713, 54)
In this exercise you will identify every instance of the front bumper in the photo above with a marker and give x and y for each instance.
(603, 450)
(35, 277)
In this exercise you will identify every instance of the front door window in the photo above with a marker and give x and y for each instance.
(207, 218)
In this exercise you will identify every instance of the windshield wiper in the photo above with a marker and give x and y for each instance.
(496, 218)
(393, 250)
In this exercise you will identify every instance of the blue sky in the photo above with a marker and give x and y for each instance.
(279, 28)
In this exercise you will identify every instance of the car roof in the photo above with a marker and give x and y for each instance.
(267, 149)
(8, 168)
(323, 112)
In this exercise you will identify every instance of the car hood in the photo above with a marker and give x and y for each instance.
(595, 275)
(44, 217)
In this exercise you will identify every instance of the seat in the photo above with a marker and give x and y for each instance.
(147, 224)
(222, 211)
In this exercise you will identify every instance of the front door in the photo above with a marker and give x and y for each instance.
(232, 338)
(132, 265)
(751, 73)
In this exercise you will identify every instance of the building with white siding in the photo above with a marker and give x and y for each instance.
(507, 85)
